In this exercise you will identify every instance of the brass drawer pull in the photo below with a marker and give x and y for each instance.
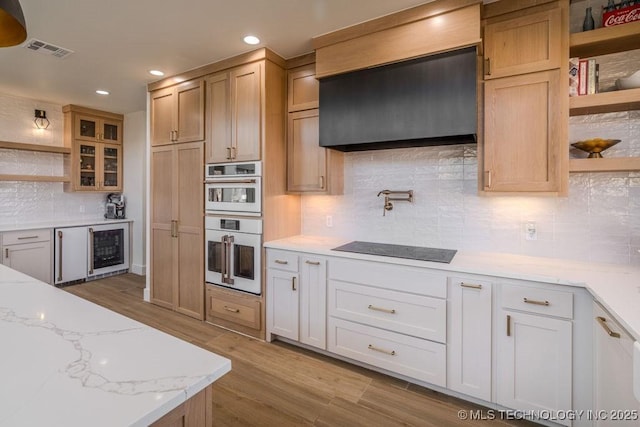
(293, 284)
(603, 323)
(312, 262)
(279, 261)
(469, 285)
(384, 310)
(381, 350)
(28, 237)
(508, 325)
(535, 302)
(231, 309)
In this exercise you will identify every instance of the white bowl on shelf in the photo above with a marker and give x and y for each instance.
(631, 82)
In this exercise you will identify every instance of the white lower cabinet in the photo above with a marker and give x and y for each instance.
(296, 297)
(28, 252)
(534, 350)
(613, 372)
(70, 254)
(469, 336)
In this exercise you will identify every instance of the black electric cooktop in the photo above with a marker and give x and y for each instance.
(399, 251)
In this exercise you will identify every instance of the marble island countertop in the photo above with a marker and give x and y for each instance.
(616, 287)
(67, 361)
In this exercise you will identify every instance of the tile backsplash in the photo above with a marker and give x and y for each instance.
(598, 221)
(23, 201)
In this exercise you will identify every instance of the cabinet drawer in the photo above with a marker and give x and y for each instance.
(401, 278)
(26, 236)
(536, 300)
(414, 357)
(238, 310)
(282, 260)
(415, 315)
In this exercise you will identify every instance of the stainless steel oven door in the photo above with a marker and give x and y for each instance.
(233, 259)
(234, 195)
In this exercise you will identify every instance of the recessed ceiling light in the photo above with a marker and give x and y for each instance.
(102, 92)
(251, 40)
(156, 73)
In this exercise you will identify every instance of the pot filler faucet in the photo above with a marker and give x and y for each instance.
(387, 199)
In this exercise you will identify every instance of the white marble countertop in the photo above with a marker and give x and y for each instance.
(616, 287)
(68, 362)
(58, 224)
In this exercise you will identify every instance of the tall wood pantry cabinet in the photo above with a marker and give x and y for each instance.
(177, 197)
(95, 139)
(525, 112)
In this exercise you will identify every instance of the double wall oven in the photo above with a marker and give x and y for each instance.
(233, 227)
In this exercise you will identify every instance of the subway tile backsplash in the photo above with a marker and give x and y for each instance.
(598, 221)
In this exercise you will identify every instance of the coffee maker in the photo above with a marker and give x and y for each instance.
(115, 206)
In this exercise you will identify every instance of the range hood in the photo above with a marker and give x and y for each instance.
(425, 101)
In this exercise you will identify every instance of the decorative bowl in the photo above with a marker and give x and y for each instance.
(595, 146)
(631, 82)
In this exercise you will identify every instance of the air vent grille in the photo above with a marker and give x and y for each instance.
(47, 48)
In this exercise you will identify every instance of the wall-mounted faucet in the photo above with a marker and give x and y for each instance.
(387, 200)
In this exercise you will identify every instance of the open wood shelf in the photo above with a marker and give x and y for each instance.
(38, 148)
(34, 147)
(618, 164)
(606, 40)
(605, 102)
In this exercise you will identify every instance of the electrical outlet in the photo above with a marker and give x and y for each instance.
(81, 208)
(530, 231)
(329, 221)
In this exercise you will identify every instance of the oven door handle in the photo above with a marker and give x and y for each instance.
(223, 259)
(232, 181)
(227, 268)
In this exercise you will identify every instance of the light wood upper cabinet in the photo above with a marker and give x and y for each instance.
(234, 112)
(524, 44)
(523, 144)
(310, 168)
(177, 113)
(95, 139)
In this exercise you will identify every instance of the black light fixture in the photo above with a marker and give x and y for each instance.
(41, 120)
(13, 30)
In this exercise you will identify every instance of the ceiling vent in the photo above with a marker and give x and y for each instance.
(47, 48)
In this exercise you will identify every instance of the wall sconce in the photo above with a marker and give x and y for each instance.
(41, 120)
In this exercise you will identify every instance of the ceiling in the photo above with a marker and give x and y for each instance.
(116, 42)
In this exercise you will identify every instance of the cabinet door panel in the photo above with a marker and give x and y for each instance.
(190, 197)
(306, 160)
(190, 111)
(469, 337)
(162, 117)
(282, 304)
(534, 362)
(313, 302)
(246, 83)
(522, 147)
(70, 254)
(190, 287)
(21, 258)
(162, 266)
(523, 45)
(111, 167)
(303, 88)
(219, 115)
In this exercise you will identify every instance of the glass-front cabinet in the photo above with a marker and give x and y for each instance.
(100, 167)
(95, 138)
(89, 128)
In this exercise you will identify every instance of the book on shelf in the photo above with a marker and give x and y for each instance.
(583, 76)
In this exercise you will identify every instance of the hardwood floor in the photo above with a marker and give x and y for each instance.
(277, 384)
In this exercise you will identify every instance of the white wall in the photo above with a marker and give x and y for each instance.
(32, 202)
(134, 184)
(599, 221)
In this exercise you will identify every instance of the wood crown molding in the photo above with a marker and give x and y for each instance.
(91, 111)
(503, 7)
(396, 19)
(245, 58)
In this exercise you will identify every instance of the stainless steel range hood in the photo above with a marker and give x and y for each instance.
(425, 101)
